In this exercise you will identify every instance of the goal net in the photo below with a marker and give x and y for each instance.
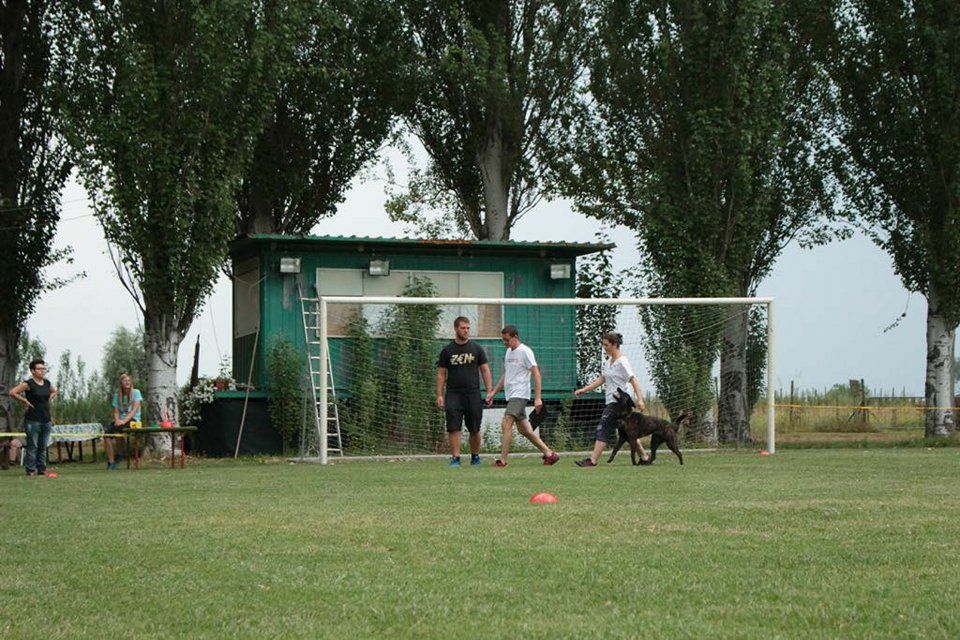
(709, 359)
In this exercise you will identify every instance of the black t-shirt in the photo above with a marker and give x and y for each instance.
(462, 362)
(39, 397)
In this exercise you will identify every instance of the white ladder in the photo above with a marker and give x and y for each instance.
(310, 307)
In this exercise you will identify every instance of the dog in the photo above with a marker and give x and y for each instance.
(633, 425)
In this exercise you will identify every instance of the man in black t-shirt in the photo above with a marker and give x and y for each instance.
(458, 369)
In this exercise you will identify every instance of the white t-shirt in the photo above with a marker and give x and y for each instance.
(516, 372)
(617, 374)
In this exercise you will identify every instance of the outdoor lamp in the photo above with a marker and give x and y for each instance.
(289, 265)
(379, 267)
(560, 271)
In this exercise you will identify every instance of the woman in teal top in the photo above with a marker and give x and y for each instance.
(126, 409)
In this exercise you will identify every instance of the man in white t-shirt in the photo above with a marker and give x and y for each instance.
(519, 364)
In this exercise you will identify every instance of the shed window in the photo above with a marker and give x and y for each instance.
(486, 320)
(246, 298)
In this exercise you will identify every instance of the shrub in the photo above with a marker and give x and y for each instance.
(284, 372)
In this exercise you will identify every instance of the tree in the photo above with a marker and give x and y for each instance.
(166, 101)
(73, 383)
(497, 78)
(341, 85)
(124, 352)
(28, 350)
(895, 64)
(702, 133)
(284, 367)
(33, 169)
(595, 279)
(410, 355)
(364, 407)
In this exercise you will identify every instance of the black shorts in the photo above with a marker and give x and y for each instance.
(110, 427)
(463, 406)
(607, 429)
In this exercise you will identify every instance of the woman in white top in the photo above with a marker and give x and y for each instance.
(616, 373)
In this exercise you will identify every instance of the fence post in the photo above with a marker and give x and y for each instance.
(865, 417)
(791, 418)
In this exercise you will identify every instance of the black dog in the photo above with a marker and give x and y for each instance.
(633, 425)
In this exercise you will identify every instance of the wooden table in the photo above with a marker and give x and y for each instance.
(171, 431)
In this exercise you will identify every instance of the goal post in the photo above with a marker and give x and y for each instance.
(703, 318)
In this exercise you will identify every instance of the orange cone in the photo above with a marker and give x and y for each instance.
(543, 498)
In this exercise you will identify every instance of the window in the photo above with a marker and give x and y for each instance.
(246, 298)
(486, 320)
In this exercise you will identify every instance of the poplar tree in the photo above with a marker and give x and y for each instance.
(495, 80)
(896, 64)
(167, 99)
(341, 83)
(702, 132)
(33, 170)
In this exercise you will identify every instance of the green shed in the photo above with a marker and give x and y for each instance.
(270, 271)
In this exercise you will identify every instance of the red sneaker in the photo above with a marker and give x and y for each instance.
(553, 458)
(499, 463)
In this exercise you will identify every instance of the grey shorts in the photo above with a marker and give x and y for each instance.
(516, 407)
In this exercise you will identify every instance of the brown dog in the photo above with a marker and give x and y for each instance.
(633, 425)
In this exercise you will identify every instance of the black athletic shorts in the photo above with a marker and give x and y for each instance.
(110, 427)
(463, 406)
(607, 429)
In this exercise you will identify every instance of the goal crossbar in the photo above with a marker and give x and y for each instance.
(637, 302)
(323, 301)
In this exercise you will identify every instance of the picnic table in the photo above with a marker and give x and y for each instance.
(68, 435)
(136, 434)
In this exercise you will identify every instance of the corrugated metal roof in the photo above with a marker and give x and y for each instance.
(578, 248)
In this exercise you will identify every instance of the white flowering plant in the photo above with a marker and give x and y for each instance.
(191, 399)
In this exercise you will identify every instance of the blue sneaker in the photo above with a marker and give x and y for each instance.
(455, 462)
(474, 459)
(111, 466)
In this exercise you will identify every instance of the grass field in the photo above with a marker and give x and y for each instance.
(804, 544)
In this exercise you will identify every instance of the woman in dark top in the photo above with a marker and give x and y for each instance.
(35, 393)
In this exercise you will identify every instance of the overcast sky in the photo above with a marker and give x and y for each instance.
(832, 302)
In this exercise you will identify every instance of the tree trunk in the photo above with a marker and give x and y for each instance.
(256, 211)
(939, 387)
(8, 373)
(491, 161)
(261, 222)
(734, 420)
(704, 428)
(163, 344)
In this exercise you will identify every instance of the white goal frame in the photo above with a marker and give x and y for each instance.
(323, 301)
